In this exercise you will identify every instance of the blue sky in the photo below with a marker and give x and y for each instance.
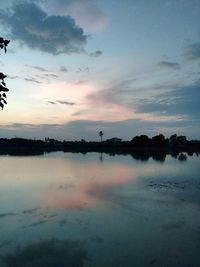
(76, 67)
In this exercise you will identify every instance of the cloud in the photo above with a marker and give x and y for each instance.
(77, 113)
(183, 100)
(51, 75)
(66, 103)
(130, 91)
(42, 75)
(97, 53)
(33, 80)
(125, 129)
(32, 26)
(47, 76)
(51, 102)
(13, 77)
(38, 68)
(119, 92)
(86, 13)
(86, 70)
(157, 102)
(63, 69)
(193, 51)
(169, 65)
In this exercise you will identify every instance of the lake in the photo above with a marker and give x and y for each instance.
(97, 210)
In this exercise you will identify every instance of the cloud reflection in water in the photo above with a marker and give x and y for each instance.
(88, 184)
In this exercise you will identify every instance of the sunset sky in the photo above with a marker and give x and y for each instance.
(126, 67)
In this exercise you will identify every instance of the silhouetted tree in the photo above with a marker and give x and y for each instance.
(3, 88)
(182, 140)
(142, 140)
(101, 135)
(158, 140)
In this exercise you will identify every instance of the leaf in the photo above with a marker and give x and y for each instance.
(6, 42)
(3, 89)
(2, 76)
(4, 101)
(1, 105)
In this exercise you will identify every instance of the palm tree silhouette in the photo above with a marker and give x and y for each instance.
(101, 135)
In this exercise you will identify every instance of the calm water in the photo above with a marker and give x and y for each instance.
(98, 210)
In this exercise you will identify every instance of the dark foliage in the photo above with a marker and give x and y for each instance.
(159, 140)
(3, 88)
(142, 140)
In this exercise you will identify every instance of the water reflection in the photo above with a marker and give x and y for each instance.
(101, 157)
(99, 210)
(158, 155)
(48, 253)
(182, 157)
(87, 185)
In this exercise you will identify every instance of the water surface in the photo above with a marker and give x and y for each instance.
(95, 210)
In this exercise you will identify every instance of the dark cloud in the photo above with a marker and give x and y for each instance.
(51, 102)
(169, 65)
(97, 53)
(128, 94)
(66, 103)
(47, 76)
(51, 75)
(166, 100)
(193, 51)
(32, 26)
(33, 80)
(38, 68)
(184, 101)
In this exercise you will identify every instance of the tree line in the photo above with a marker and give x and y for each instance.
(141, 143)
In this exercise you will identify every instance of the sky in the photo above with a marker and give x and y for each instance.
(75, 67)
